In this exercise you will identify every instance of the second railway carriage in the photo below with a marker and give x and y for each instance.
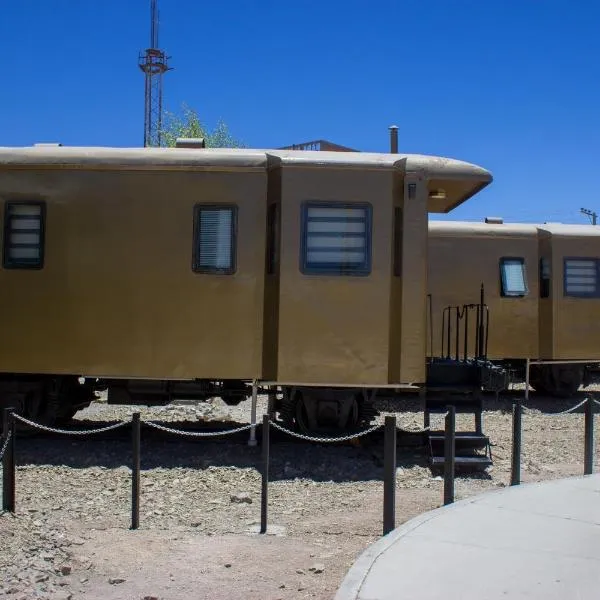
(542, 298)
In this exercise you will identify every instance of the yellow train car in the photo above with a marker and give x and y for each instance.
(163, 273)
(542, 298)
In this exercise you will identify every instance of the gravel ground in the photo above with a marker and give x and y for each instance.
(200, 504)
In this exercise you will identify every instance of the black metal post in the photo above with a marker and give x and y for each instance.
(389, 476)
(264, 496)
(449, 449)
(515, 472)
(8, 462)
(588, 460)
(135, 471)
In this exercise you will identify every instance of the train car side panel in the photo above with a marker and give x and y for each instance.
(576, 291)
(333, 325)
(463, 256)
(117, 294)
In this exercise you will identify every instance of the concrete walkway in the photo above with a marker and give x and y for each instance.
(534, 541)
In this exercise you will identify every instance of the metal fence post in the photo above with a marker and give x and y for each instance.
(135, 471)
(449, 450)
(252, 440)
(8, 462)
(264, 496)
(515, 472)
(389, 476)
(588, 459)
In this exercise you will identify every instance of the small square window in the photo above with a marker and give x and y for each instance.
(24, 235)
(336, 238)
(214, 239)
(513, 277)
(581, 277)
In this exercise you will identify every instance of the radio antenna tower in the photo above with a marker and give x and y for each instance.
(153, 62)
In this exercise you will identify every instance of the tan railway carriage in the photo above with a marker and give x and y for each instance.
(161, 274)
(542, 289)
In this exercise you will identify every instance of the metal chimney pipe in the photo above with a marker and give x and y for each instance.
(394, 139)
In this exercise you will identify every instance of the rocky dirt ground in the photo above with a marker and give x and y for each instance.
(200, 505)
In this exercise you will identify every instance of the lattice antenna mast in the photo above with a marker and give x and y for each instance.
(153, 62)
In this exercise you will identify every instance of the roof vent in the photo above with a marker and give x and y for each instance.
(190, 143)
(494, 220)
(47, 145)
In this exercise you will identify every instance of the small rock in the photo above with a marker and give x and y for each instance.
(241, 498)
(227, 565)
(41, 578)
(317, 568)
(83, 580)
(66, 569)
(282, 586)
(115, 580)
(61, 595)
(300, 571)
(150, 597)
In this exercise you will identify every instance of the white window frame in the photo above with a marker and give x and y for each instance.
(504, 292)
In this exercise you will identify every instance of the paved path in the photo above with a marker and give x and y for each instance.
(534, 541)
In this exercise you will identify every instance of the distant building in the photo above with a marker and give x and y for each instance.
(322, 145)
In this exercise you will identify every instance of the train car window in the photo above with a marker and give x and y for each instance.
(581, 277)
(544, 278)
(214, 239)
(336, 238)
(24, 235)
(513, 277)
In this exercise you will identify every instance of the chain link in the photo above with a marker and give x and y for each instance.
(344, 438)
(69, 431)
(403, 430)
(5, 446)
(196, 433)
(564, 412)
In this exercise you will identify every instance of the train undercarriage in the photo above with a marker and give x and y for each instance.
(54, 400)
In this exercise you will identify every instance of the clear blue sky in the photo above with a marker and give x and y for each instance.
(512, 85)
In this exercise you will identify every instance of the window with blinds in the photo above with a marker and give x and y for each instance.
(513, 277)
(214, 239)
(336, 239)
(581, 277)
(24, 235)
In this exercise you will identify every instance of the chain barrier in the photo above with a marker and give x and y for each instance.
(197, 433)
(5, 446)
(344, 438)
(69, 431)
(564, 412)
(403, 430)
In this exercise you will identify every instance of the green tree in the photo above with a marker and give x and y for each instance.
(189, 125)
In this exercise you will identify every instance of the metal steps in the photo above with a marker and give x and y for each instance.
(472, 449)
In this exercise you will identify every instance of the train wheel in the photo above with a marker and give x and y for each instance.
(559, 381)
(323, 412)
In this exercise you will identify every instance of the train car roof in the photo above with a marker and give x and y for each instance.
(458, 180)
(476, 229)
(568, 230)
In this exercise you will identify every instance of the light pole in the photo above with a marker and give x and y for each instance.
(591, 214)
